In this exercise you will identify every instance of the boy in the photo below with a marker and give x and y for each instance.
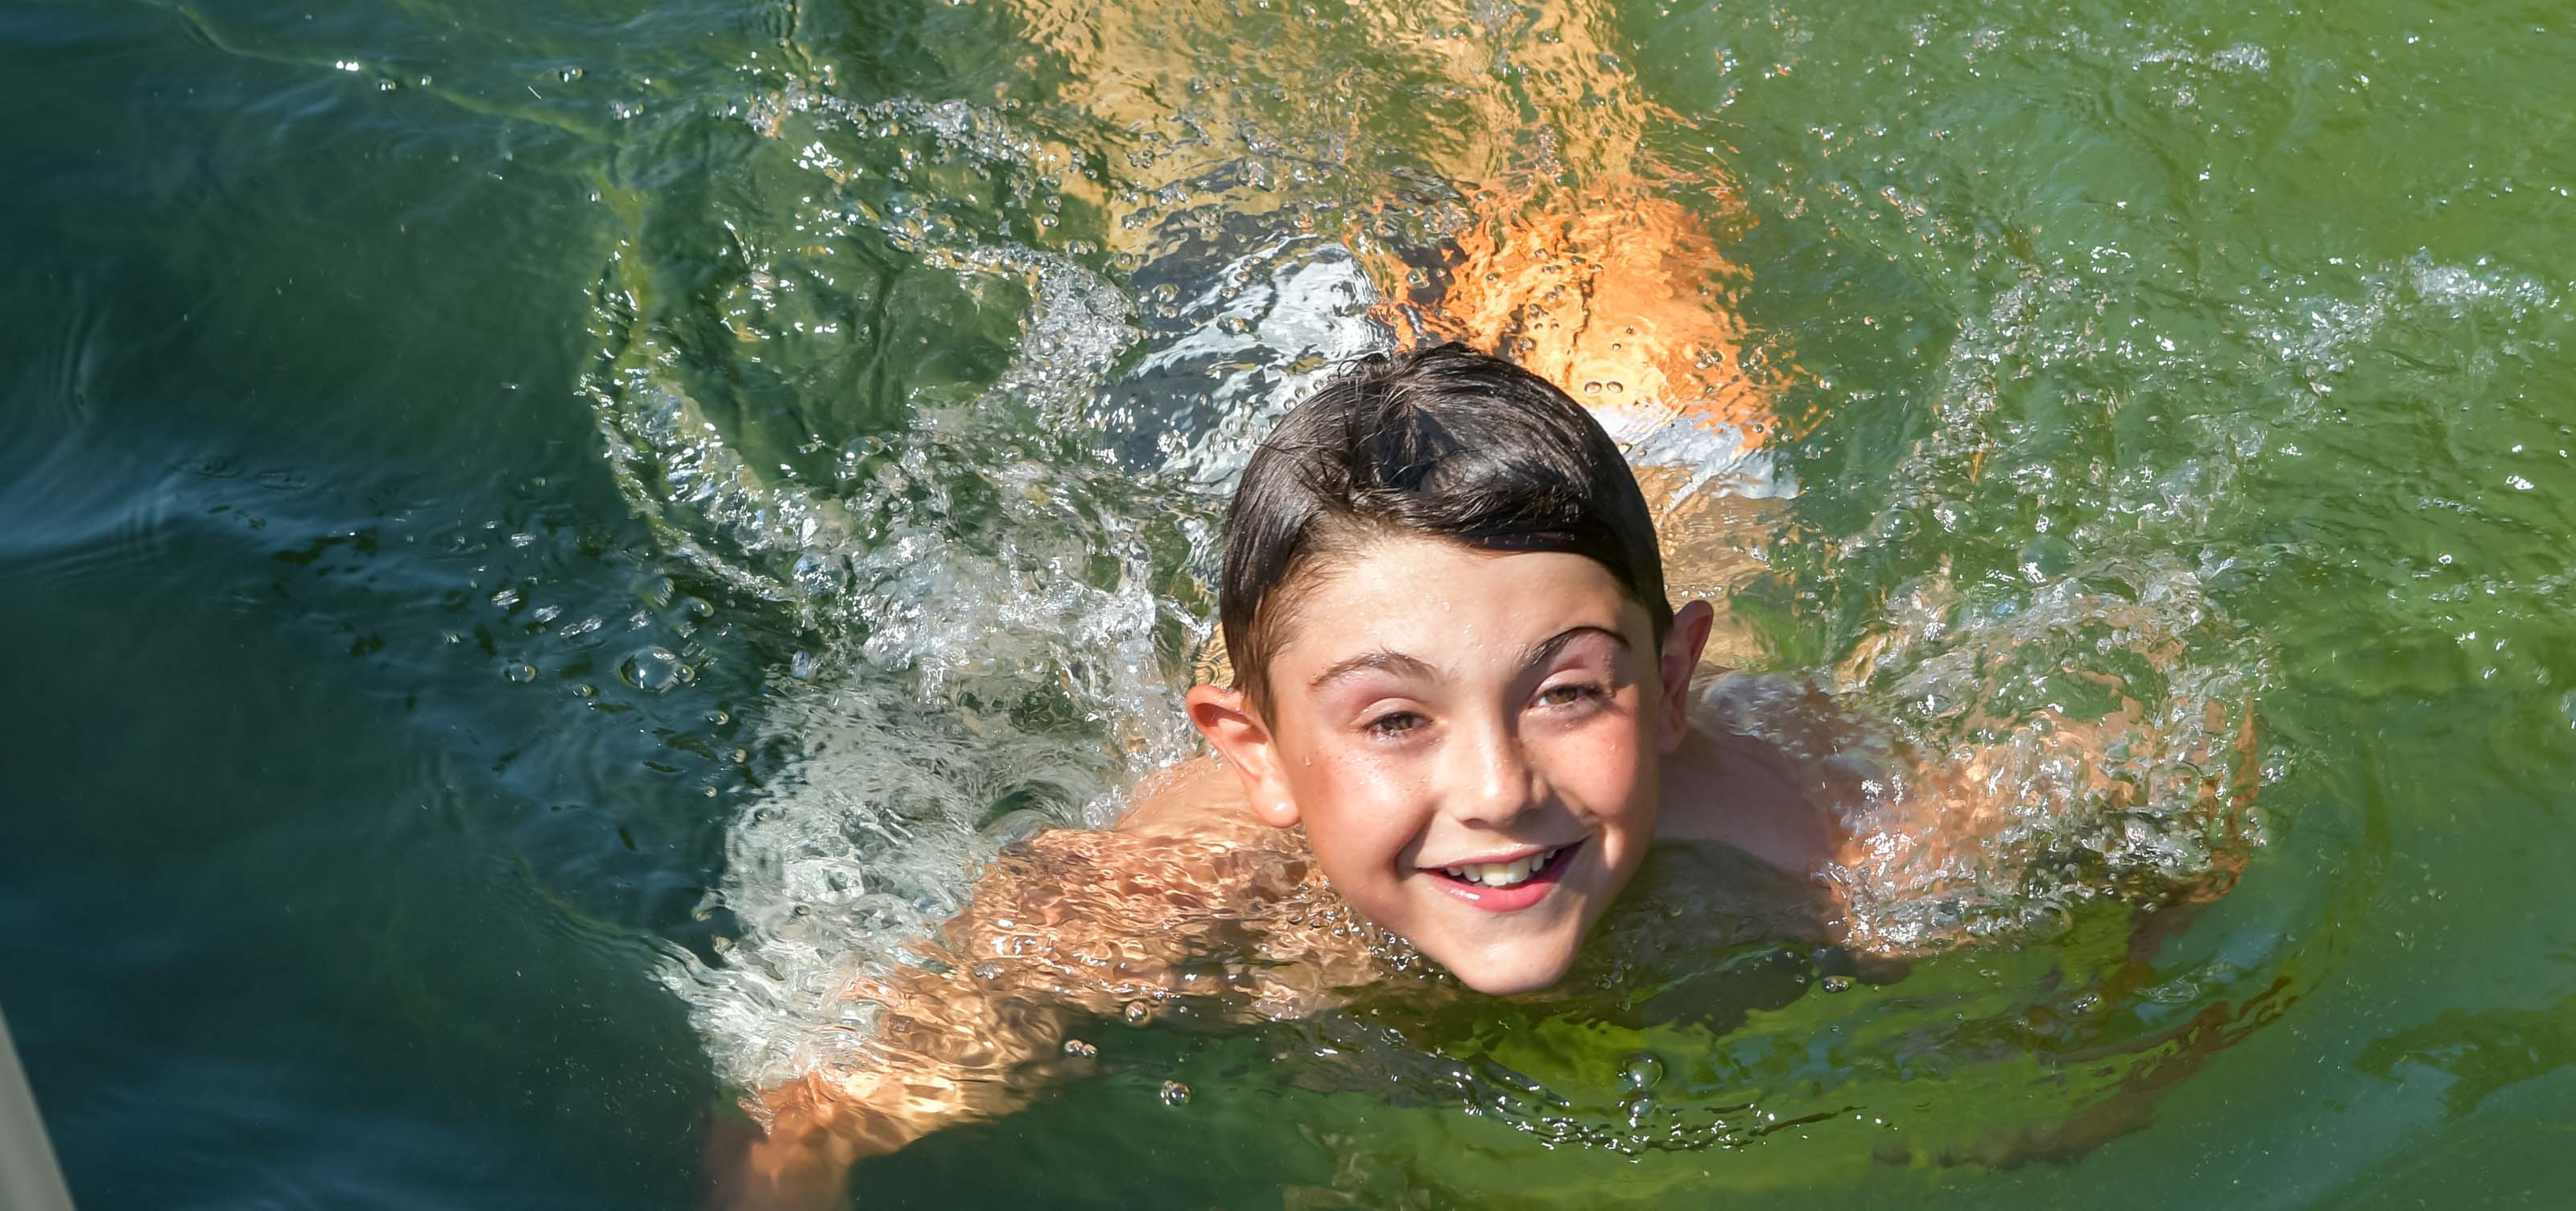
(1461, 713)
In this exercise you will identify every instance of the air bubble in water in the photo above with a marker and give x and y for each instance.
(519, 671)
(655, 670)
(1175, 1093)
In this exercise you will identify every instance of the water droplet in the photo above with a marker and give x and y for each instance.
(655, 670)
(1642, 1070)
(1175, 1093)
(1592, 388)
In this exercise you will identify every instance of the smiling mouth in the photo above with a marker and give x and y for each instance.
(1503, 874)
(1506, 886)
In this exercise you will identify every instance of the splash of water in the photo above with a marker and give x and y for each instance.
(994, 597)
(993, 573)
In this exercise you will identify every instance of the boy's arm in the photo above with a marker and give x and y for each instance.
(945, 1052)
(944, 1048)
(1940, 833)
(1068, 924)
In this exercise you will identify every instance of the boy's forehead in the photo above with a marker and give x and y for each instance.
(1427, 596)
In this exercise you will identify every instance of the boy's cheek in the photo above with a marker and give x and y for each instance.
(1614, 776)
(1353, 833)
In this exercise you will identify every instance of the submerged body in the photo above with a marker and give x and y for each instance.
(1513, 767)
(1193, 897)
(1470, 758)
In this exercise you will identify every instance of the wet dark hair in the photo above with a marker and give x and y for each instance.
(1446, 443)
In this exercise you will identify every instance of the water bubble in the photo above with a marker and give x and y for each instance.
(2046, 558)
(1175, 1093)
(1076, 1047)
(1836, 983)
(655, 670)
(1139, 1012)
(519, 672)
(1643, 1070)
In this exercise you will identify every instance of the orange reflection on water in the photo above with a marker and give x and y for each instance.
(1565, 250)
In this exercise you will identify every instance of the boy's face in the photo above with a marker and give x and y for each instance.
(1472, 740)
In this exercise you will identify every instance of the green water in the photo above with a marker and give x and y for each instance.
(503, 505)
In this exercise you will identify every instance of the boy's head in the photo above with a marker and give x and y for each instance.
(1442, 443)
(1454, 662)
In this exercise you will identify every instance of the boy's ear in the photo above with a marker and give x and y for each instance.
(1682, 646)
(1229, 722)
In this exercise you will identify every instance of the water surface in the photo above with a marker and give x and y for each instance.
(537, 535)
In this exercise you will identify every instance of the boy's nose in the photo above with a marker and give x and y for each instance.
(1498, 784)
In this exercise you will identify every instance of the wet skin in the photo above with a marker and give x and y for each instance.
(1434, 706)
(1431, 705)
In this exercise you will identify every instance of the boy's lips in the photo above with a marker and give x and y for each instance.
(1513, 896)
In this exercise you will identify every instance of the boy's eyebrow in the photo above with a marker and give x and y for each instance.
(1393, 662)
(1546, 649)
(1402, 665)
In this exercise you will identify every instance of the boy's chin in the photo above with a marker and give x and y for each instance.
(1508, 974)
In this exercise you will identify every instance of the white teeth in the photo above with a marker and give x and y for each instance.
(1500, 874)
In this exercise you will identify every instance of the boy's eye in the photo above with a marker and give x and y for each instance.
(1395, 723)
(1568, 693)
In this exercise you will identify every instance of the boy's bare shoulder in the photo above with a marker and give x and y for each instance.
(1188, 895)
(1186, 849)
(1763, 769)
(1195, 798)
